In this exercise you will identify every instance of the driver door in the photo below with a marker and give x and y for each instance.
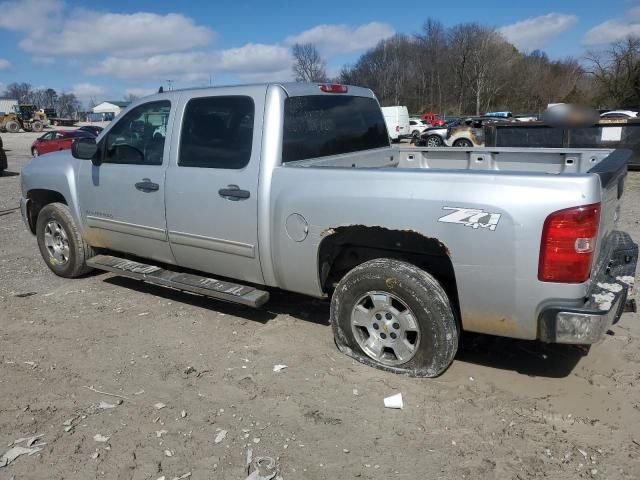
(122, 199)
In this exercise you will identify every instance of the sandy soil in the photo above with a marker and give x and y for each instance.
(505, 409)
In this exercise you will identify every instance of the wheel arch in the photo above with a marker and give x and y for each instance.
(344, 248)
(38, 198)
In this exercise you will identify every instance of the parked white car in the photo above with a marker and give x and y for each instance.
(619, 114)
(417, 126)
(397, 121)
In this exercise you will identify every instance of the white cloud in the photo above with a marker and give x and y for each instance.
(614, 29)
(85, 91)
(250, 59)
(29, 15)
(332, 39)
(133, 34)
(537, 32)
(43, 60)
(4, 64)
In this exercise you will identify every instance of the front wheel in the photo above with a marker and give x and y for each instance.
(434, 141)
(394, 316)
(61, 245)
(463, 142)
(34, 152)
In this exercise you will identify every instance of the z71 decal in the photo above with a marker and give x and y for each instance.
(471, 217)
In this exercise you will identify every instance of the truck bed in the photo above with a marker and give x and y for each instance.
(521, 160)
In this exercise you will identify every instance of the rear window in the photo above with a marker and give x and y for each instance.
(323, 125)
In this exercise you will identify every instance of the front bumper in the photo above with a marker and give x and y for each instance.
(607, 301)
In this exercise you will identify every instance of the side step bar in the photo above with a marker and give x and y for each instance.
(210, 287)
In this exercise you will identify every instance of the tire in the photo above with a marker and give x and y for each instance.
(434, 141)
(463, 143)
(34, 152)
(415, 134)
(55, 229)
(409, 303)
(12, 126)
(37, 126)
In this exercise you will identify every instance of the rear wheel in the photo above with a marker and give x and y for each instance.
(434, 141)
(394, 316)
(37, 126)
(12, 126)
(415, 134)
(61, 245)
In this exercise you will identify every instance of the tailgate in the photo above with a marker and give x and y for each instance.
(612, 171)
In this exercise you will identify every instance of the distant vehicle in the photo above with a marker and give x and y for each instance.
(433, 119)
(57, 140)
(397, 120)
(436, 136)
(417, 126)
(94, 129)
(499, 114)
(619, 114)
(526, 118)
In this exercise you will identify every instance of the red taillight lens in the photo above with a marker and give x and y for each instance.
(333, 88)
(568, 242)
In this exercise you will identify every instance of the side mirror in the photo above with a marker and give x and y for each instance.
(85, 149)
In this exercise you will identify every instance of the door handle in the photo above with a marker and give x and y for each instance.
(147, 185)
(233, 192)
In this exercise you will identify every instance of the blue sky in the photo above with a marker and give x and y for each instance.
(104, 50)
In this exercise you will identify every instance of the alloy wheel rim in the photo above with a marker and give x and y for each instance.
(385, 328)
(56, 241)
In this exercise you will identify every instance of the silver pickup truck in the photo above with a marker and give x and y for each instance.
(231, 191)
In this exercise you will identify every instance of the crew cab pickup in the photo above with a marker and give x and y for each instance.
(232, 191)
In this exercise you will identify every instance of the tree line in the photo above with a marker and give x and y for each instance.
(471, 68)
(65, 104)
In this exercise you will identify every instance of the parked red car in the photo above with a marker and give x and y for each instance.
(57, 140)
(432, 119)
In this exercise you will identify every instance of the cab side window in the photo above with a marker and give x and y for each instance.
(217, 132)
(139, 137)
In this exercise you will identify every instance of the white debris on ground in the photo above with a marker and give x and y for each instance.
(14, 452)
(394, 401)
(159, 405)
(220, 436)
(279, 367)
(101, 438)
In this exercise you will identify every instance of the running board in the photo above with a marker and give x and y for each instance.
(210, 287)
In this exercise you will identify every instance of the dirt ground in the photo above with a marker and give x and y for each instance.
(505, 409)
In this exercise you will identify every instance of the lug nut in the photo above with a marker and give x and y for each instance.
(392, 335)
(378, 316)
(396, 325)
(375, 326)
(388, 316)
(383, 336)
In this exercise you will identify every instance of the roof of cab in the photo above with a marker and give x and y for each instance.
(292, 89)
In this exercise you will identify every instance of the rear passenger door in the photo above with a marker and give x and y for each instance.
(212, 183)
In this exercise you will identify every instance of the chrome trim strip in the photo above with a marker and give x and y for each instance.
(216, 244)
(127, 228)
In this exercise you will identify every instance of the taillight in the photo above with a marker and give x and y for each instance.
(397, 128)
(568, 242)
(333, 88)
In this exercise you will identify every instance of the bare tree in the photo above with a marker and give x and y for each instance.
(617, 72)
(308, 65)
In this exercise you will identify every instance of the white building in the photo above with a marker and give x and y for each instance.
(7, 104)
(113, 107)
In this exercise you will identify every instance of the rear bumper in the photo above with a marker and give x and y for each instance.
(609, 295)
